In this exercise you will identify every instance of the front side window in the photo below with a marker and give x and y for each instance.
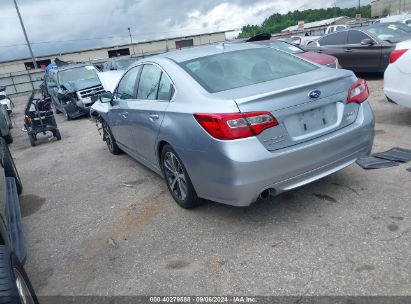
(127, 87)
(149, 82)
(225, 71)
(355, 37)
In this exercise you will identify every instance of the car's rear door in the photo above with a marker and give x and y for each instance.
(334, 44)
(119, 113)
(362, 58)
(147, 112)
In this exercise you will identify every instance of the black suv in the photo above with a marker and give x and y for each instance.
(73, 89)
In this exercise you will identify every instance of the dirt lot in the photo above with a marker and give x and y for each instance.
(99, 224)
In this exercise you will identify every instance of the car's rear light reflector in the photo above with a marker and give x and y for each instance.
(358, 92)
(396, 55)
(228, 126)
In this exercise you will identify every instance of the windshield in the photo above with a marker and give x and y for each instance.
(389, 31)
(80, 73)
(125, 63)
(237, 69)
(286, 47)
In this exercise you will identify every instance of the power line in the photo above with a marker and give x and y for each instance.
(108, 37)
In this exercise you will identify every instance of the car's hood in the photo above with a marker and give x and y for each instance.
(323, 59)
(78, 85)
(110, 79)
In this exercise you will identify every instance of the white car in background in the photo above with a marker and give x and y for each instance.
(397, 77)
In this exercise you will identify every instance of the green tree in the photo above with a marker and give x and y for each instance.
(277, 22)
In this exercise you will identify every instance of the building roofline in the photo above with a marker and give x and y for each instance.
(113, 46)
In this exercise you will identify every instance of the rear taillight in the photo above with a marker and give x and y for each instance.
(396, 55)
(358, 92)
(228, 126)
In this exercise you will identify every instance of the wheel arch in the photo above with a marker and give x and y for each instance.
(160, 147)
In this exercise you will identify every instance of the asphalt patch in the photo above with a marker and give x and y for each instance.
(30, 204)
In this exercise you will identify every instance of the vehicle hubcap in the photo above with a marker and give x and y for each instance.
(175, 176)
(22, 288)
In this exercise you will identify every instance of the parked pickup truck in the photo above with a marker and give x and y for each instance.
(15, 287)
(73, 89)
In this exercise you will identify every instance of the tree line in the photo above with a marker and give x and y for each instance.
(277, 22)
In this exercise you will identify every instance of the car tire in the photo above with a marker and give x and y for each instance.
(55, 108)
(110, 140)
(8, 138)
(67, 114)
(57, 134)
(14, 283)
(10, 169)
(32, 139)
(180, 187)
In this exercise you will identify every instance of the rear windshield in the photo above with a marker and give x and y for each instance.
(286, 47)
(237, 69)
(125, 63)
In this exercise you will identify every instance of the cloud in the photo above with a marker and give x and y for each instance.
(60, 25)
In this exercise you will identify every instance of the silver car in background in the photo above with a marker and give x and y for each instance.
(232, 123)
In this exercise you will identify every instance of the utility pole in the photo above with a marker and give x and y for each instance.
(359, 6)
(25, 35)
(131, 40)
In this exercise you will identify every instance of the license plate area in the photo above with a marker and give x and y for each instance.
(312, 122)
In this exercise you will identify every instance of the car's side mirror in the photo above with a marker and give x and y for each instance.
(106, 97)
(367, 41)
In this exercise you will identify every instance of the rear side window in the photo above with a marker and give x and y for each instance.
(355, 37)
(149, 82)
(237, 69)
(337, 38)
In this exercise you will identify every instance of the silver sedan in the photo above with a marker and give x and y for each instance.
(234, 123)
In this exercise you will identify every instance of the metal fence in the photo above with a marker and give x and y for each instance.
(21, 82)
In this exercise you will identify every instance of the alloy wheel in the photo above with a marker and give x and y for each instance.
(107, 138)
(175, 176)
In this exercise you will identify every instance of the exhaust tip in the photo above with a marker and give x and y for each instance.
(265, 195)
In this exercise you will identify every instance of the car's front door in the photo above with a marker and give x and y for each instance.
(147, 112)
(362, 58)
(119, 118)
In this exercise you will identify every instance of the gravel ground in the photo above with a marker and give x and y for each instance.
(99, 224)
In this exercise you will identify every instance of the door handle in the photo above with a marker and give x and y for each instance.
(153, 116)
(319, 51)
(348, 50)
(125, 114)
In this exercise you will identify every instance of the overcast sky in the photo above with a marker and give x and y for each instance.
(60, 25)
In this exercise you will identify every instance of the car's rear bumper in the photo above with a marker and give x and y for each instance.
(236, 172)
(396, 86)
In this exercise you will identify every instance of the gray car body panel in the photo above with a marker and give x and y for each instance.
(235, 172)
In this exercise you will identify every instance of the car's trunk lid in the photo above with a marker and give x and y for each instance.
(301, 117)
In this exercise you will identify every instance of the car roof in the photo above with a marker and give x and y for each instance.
(203, 51)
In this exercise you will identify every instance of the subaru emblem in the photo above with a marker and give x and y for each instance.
(314, 94)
